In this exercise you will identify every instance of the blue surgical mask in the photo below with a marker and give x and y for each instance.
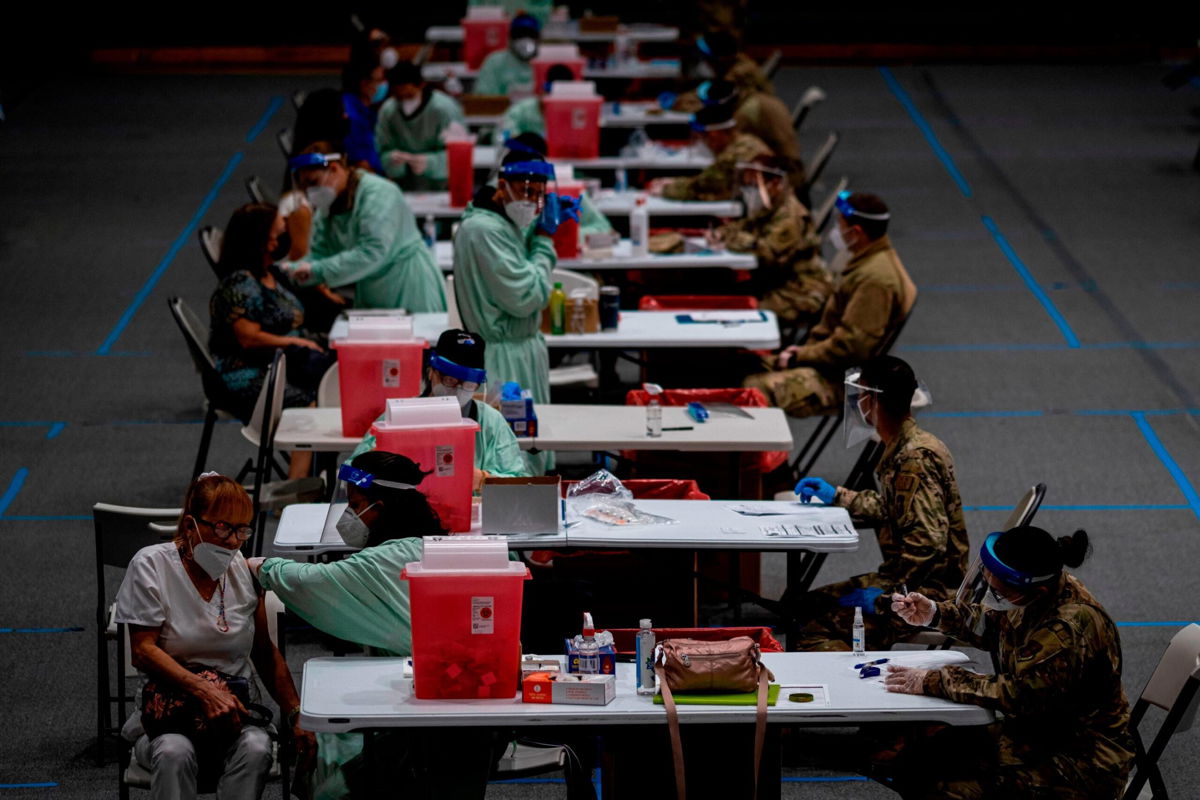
(381, 93)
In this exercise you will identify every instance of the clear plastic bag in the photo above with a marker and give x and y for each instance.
(602, 497)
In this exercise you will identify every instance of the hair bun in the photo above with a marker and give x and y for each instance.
(1074, 549)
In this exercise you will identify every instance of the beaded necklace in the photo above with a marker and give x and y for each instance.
(222, 623)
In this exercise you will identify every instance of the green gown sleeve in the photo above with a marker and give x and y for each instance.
(376, 223)
(516, 281)
(361, 598)
(496, 449)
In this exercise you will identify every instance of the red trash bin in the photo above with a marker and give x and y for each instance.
(697, 302)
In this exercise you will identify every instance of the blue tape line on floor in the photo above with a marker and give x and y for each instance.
(1038, 292)
(40, 630)
(1181, 480)
(176, 246)
(55, 430)
(926, 130)
(1168, 624)
(14, 487)
(46, 785)
(265, 119)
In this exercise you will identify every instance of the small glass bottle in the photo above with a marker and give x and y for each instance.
(653, 410)
(644, 649)
(589, 651)
(858, 634)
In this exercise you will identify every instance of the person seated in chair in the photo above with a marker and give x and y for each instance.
(871, 299)
(254, 313)
(917, 515)
(790, 279)
(198, 630)
(729, 145)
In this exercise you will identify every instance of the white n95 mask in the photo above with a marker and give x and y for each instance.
(752, 198)
(836, 238)
(525, 48)
(462, 395)
(352, 529)
(994, 602)
(212, 558)
(409, 107)
(521, 212)
(320, 197)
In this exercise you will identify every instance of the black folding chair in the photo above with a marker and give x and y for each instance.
(811, 98)
(211, 238)
(821, 160)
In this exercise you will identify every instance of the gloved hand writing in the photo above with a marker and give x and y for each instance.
(808, 488)
(863, 598)
(905, 680)
(557, 210)
(914, 608)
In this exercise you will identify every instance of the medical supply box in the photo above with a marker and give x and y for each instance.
(432, 432)
(465, 596)
(378, 358)
(583, 690)
(608, 659)
(517, 409)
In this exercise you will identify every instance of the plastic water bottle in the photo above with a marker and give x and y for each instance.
(558, 311)
(858, 634)
(589, 651)
(639, 227)
(622, 180)
(644, 649)
(430, 232)
(653, 410)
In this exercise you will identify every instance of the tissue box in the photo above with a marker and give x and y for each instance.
(533, 663)
(519, 414)
(583, 690)
(608, 659)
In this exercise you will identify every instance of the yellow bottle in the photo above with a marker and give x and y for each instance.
(558, 310)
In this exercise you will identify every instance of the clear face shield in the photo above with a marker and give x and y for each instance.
(343, 522)
(992, 584)
(755, 179)
(455, 380)
(858, 413)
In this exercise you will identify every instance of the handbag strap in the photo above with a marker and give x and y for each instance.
(673, 728)
(760, 724)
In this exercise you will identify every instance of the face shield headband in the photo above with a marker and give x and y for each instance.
(464, 374)
(306, 160)
(700, 127)
(846, 210)
(364, 480)
(1008, 575)
(528, 169)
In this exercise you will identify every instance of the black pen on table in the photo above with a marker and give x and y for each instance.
(681, 428)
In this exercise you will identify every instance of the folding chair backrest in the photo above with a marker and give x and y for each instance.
(771, 65)
(255, 190)
(123, 530)
(1180, 662)
(807, 102)
(1023, 514)
(573, 280)
(423, 54)
(453, 318)
(329, 391)
(284, 138)
(194, 333)
(821, 159)
(261, 425)
(210, 244)
(824, 212)
(298, 98)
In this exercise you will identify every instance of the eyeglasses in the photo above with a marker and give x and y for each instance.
(224, 530)
(451, 382)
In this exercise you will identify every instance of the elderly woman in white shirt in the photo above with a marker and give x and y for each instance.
(192, 605)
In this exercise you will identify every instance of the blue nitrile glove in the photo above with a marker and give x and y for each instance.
(666, 100)
(698, 412)
(558, 209)
(863, 598)
(808, 488)
(511, 390)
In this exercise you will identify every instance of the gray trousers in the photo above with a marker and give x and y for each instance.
(171, 759)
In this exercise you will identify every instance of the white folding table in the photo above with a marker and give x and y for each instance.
(373, 695)
(570, 32)
(638, 330)
(622, 258)
(608, 202)
(685, 158)
(665, 69)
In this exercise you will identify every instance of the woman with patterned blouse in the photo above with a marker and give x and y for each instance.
(254, 312)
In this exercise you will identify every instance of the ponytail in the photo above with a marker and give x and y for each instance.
(1074, 549)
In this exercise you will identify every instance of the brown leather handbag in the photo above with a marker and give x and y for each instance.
(690, 665)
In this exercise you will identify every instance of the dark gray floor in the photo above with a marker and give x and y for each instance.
(1080, 172)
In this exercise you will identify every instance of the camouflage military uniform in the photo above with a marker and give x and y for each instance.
(745, 74)
(919, 523)
(766, 116)
(790, 278)
(870, 298)
(719, 180)
(1065, 732)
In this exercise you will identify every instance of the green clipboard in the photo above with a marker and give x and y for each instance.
(722, 698)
